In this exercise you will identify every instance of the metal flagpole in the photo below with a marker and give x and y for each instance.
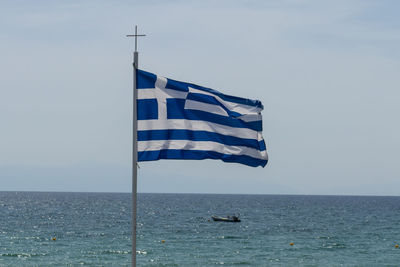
(134, 147)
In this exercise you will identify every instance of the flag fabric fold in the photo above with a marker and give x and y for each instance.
(179, 120)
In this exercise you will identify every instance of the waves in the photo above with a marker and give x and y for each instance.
(174, 230)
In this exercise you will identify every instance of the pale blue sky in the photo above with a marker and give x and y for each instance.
(327, 73)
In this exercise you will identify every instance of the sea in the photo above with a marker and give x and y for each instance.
(94, 229)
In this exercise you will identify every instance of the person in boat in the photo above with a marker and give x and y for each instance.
(233, 218)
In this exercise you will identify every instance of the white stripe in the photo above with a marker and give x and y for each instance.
(155, 145)
(211, 108)
(150, 93)
(192, 125)
(146, 93)
(159, 90)
(264, 152)
(250, 117)
(239, 108)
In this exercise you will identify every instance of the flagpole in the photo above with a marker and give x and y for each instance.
(134, 147)
(134, 156)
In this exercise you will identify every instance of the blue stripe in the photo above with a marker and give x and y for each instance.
(146, 79)
(198, 155)
(203, 98)
(262, 145)
(197, 136)
(175, 85)
(176, 110)
(183, 86)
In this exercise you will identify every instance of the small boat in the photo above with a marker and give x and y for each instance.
(225, 219)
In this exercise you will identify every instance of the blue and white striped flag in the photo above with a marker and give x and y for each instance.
(178, 120)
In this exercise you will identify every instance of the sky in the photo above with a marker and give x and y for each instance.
(327, 73)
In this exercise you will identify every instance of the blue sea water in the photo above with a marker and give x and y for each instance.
(94, 229)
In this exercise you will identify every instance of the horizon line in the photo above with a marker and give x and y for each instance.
(200, 193)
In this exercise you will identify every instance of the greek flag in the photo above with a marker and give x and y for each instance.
(179, 120)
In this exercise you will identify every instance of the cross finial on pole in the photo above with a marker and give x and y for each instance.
(136, 35)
